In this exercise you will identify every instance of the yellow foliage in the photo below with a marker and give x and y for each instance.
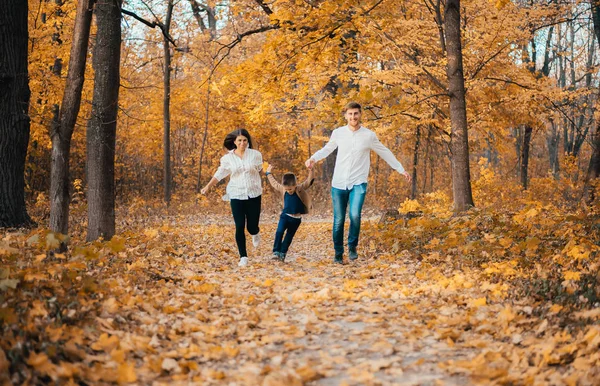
(409, 206)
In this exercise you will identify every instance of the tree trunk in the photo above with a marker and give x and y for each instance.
(413, 190)
(593, 172)
(167, 173)
(207, 110)
(101, 130)
(517, 133)
(61, 137)
(525, 154)
(427, 157)
(552, 141)
(14, 117)
(459, 142)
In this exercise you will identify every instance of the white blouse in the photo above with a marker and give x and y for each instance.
(244, 181)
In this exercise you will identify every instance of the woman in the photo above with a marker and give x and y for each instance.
(243, 164)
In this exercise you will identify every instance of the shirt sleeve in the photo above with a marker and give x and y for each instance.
(386, 154)
(327, 149)
(259, 161)
(224, 169)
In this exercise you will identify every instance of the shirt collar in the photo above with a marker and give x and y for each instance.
(350, 130)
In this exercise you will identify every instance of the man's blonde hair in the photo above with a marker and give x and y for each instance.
(353, 105)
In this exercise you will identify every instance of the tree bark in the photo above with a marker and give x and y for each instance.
(14, 108)
(101, 130)
(527, 130)
(459, 140)
(413, 190)
(593, 172)
(71, 102)
(552, 141)
(206, 121)
(167, 173)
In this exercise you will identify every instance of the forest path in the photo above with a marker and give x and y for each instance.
(164, 303)
(372, 321)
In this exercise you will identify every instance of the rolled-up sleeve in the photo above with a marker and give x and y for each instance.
(386, 154)
(224, 169)
(258, 162)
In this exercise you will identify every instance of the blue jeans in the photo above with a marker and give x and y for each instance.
(354, 199)
(289, 226)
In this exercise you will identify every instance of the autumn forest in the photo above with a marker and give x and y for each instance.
(480, 266)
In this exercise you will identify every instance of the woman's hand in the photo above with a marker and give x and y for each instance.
(204, 190)
(269, 168)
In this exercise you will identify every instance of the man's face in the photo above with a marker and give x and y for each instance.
(353, 117)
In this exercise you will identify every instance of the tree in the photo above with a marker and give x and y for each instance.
(167, 177)
(14, 112)
(593, 172)
(62, 131)
(101, 130)
(459, 143)
(524, 156)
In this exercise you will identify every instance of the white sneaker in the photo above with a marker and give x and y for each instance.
(243, 262)
(256, 240)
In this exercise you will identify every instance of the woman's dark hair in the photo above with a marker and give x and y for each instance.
(229, 142)
(289, 179)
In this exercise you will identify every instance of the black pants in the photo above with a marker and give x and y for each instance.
(245, 213)
(289, 224)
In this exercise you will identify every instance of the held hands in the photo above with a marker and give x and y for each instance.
(406, 176)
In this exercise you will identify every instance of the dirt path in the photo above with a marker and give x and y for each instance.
(166, 303)
(368, 322)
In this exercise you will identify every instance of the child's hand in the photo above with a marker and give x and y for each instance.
(269, 168)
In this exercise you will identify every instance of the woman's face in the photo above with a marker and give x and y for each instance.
(241, 142)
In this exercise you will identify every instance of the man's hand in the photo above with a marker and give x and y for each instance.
(407, 176)
(309, 163)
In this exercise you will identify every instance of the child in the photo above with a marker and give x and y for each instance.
(296, 202)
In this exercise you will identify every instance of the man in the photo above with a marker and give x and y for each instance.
(351, 173)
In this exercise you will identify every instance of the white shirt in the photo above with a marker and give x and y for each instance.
(245, 181)
(354, 156)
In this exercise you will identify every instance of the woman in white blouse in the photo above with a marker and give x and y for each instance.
(243, 164)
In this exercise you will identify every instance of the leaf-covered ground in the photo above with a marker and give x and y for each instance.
(165, 303)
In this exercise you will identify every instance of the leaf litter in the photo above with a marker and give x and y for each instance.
(167, 304)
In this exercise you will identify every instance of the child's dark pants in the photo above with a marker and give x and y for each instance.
(289, 224)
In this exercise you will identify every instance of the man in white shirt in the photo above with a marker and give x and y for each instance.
(351, 173)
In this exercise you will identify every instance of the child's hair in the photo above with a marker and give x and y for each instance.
(289, 179)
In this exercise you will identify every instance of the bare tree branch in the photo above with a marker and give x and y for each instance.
(264, 6)
(150, 24)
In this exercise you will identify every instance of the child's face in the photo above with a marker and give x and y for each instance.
(290, 189)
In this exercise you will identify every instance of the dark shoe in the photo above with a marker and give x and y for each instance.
(276, 256)
(352, 254)
(281, 257)
(338, 259)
